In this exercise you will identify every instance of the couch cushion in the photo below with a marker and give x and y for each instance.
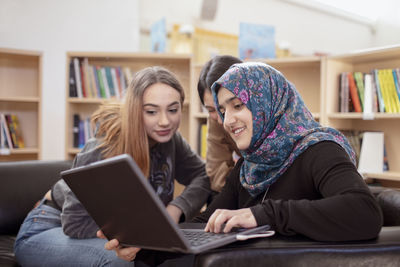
(23, 183)
(7, 251)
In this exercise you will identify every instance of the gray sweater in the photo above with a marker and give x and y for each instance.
(169, 161)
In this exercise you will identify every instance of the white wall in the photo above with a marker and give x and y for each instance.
(307, 30)
(55, 27)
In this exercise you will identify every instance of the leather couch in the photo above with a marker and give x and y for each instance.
(23, 183)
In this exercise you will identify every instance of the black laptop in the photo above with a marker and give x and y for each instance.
(124, 205)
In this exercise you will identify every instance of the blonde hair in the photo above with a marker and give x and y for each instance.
(119, 125)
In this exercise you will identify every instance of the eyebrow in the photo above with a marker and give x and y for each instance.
(228, 101)
(155, 106)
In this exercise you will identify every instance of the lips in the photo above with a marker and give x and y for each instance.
(163, 132)
(238, 131)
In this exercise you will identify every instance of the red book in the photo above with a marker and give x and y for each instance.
(353, 93)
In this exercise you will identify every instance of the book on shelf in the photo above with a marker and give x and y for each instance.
(6, 142)
(11, 131)
(96, 81)
(78, 77)
(372, 153)
(359, 79)
(202, 144)
(354, 93)
(82, 131)
(380, 88)
(72, 81)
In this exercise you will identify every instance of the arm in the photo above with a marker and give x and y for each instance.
(190, 171)
(219, 160)
(346, 209)
(227, 199)
(75, 220)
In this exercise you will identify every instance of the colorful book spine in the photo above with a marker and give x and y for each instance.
(354, 93)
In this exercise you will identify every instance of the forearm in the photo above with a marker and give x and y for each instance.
(351, 216)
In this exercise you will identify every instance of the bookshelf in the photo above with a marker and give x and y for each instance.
(178, 64)
(20, 94)
(307, 74)
(365, 61)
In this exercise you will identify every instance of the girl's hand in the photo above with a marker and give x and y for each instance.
(232, 218)
(125, 253)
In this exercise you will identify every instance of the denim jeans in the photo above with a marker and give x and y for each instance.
(41, 242)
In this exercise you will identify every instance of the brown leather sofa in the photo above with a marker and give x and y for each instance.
(23, 183)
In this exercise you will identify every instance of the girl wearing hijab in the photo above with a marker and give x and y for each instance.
(295, 175)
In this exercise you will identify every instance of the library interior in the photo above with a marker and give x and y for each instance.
(62, 60)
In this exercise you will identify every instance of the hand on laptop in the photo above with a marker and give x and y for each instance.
(232, 218)
(125, 253)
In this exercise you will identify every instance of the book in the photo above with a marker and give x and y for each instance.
(371, 154)
(382, 107)
(344, 92)
(75, 130)
(6, 140)
(110, 83)
(396, 77)
(103, 77)
(18, 131)
(203, 140)
(368, 97)
(359, 79)
(115, 82)
(78, 77)
(256, 41)
(391, 87)
(72, 82)
(101, 83)
(354, 93)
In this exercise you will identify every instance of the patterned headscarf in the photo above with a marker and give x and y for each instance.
(283, 127)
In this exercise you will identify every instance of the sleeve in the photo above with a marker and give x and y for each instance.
(346, 210)
(227, 199)
(190, 171)
(219, 160)
(75, 220)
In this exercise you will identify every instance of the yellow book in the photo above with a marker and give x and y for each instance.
(391, 87)
(383, 83)
(203, 140)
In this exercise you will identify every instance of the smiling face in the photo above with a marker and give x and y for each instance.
(238, 119)
(161, 112)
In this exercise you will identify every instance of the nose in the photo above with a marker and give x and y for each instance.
(229, 118)
(163, 119)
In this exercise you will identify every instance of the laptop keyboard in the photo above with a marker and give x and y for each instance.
(197, 238)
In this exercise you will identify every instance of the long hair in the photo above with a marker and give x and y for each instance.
(120, 127)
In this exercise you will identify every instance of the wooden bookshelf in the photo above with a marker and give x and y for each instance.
(20, 94)
(307, 74)
(178, 64)
(365, 61)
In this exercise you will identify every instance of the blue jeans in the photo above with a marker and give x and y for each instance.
(42, 242)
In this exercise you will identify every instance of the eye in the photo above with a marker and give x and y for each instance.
(173, 110)
(150, 112)
(238, 106)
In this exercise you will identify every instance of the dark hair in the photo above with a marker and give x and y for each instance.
(211, 72)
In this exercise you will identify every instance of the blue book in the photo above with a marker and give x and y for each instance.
(396, 82)
(256, 41)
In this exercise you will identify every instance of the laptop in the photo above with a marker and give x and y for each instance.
(124, 205)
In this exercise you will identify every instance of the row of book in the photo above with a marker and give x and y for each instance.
(10, 132)
(370, 150)
(82, 131)
(94, 81)
(378, 91)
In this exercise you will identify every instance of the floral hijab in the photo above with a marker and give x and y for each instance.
(283, 127)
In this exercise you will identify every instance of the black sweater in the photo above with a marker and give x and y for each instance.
(321, 196)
